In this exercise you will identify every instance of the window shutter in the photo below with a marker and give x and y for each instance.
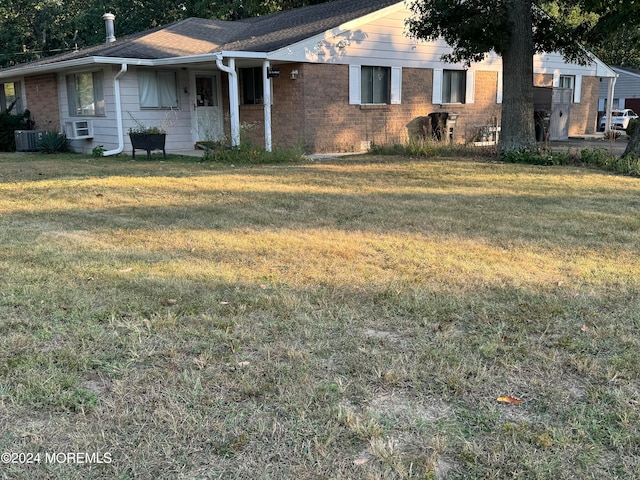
(396, 85)
(577, 88)
(471, 87)
(354, 85)
(499, 89)
(436, 94)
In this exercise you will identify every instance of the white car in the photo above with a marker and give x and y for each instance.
(619, 119)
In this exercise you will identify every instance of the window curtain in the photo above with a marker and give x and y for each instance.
(98, 93)
(157, 89)
(148, 88)
(167, 89)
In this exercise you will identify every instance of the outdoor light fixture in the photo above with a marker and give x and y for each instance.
(294, 74)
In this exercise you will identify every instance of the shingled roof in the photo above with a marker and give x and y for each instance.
(195, 36)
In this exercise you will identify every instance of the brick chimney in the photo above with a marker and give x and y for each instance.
(108, 23)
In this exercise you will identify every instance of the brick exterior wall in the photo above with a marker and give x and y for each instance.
(584, 115)
(42, 101)
(313, 111)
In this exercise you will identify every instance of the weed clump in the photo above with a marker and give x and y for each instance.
(431, 149)
(246, 154)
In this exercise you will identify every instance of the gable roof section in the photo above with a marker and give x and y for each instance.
(626, 71)
(198, 36)
(279, 30)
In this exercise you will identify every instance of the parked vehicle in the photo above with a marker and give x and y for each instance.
(619, 119)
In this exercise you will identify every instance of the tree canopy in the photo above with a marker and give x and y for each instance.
(31, 29)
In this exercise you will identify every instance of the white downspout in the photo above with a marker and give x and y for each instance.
(266, 89)
(116, 88)
(609, 107)
(234, 98)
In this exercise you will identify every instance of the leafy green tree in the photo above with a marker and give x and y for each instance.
(515, 29)
(616, 37)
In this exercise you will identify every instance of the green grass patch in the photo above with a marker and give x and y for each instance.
(348, 318)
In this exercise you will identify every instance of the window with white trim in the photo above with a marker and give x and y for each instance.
(157, 89)
(573, 82)
(85, 95)
(374, 85)
(9, 93)
(453, 86)
(566, 81)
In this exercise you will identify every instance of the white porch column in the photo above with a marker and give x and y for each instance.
(611, 87)
(234, 104)
(266, 93)
(234, 98)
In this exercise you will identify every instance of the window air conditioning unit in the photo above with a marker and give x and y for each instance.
(78, 129)
(27, 140)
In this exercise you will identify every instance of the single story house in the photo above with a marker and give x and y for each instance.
(330, 77)
(626, 93)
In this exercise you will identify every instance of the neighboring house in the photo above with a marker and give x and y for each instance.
(329, 77)
(626, 93)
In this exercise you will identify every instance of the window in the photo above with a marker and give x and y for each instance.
(85, 95)
(157, 89)
(566, 81)
(454, 86)
(375, 84)
(252, 92)
(9, 93)
(573, 82)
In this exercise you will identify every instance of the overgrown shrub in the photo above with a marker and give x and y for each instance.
(247, 154)
(9, 123)
(604, 160)
(54, 142)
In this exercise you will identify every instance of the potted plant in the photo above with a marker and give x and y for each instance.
(147, 138)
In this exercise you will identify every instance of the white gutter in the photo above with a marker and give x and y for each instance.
(234, 99)
(116, 88)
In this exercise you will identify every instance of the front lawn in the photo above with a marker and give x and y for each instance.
(353, 318)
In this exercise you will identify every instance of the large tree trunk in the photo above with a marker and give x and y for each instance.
(518, 128)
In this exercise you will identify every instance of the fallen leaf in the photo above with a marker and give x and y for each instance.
(224, 303)
(244, 364)
(584, 328)
(360, 461)
(171, 301)
(125, 270)
(99, 194)
(510, 399)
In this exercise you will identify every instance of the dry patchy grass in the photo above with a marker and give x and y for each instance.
(337, 319)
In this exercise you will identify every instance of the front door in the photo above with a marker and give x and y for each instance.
(207, 109)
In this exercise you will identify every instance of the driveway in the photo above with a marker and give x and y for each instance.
(575, 144)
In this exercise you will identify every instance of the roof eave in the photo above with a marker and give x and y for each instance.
(99, 60)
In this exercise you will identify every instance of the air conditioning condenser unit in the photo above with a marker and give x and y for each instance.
(27, 140)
